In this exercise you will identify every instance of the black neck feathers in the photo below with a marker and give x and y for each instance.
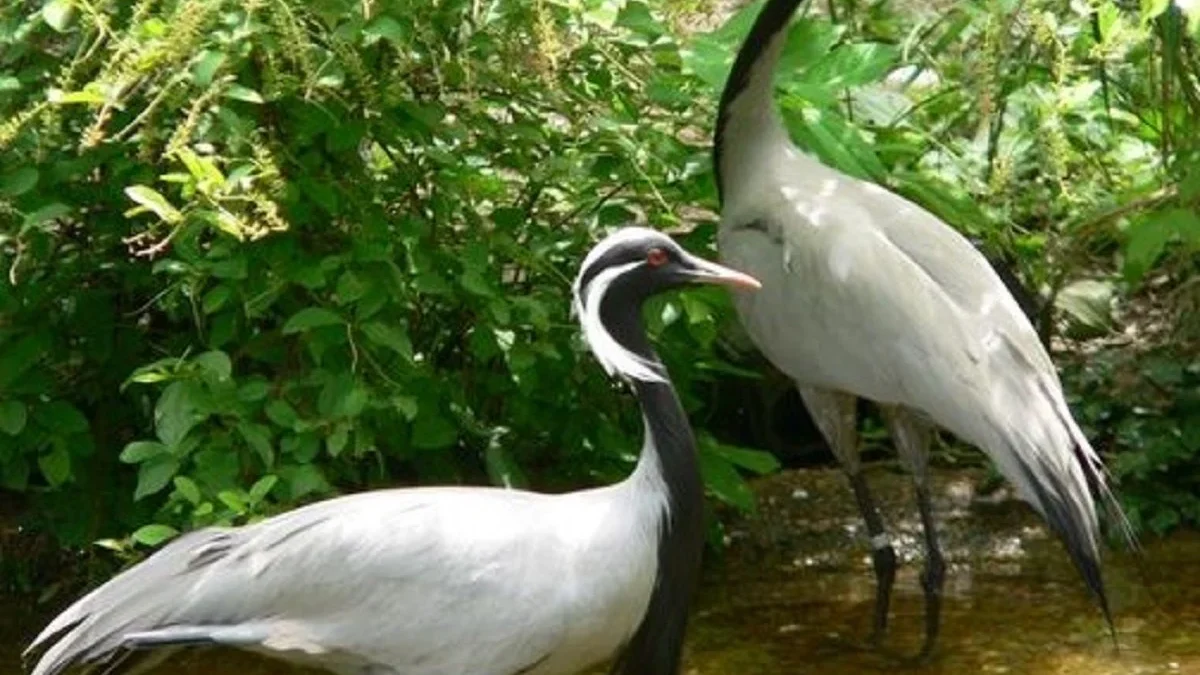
(657, 645)
(771, 20)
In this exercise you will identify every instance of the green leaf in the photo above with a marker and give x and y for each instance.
(12, 417)
(140, 451)
(303, 479)
(18, 181)
(309, 318)
(215, 364)
(336, 441)
(302, 447)
(725, 482)
(45, 214)
(154, 474)
(58, 13)
(150, 199)
(282, 414)
(216, 298)
(262, 487)
(241, 93)
(392, 338)
(154, 534)
(342, 396)
(234, 501)
(188, 488)
(56, 464)
(254, 390)
(385, 28)
(18, 356)
(60, 418)
(758, 461)
(206, 67)
(1149, 236)
(176, 413)
(258, 437)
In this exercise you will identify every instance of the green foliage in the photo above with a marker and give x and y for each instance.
(259, 252)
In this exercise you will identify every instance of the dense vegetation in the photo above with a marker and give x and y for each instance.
(256, 252)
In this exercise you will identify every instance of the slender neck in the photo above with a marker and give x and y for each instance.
(746, 112)
(668, 462)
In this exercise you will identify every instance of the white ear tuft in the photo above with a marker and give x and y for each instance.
(616, 359)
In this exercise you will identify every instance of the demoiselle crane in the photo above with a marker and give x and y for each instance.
(866, 294)
(450, 580)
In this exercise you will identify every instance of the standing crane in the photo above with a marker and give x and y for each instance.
(866, 294)
(449, 580)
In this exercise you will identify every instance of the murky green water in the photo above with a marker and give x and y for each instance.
(795, 591)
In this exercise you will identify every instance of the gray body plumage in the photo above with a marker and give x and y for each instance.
(430, 580)
(866, 294)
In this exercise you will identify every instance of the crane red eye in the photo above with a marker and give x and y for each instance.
(656, 257)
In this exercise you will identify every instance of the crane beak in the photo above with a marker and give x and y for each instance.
(705, 272)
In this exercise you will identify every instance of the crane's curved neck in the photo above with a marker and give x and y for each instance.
(667, 464)
(747, 123)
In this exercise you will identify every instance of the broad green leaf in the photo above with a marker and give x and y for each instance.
(1149, 236)
(234, 501)
(154, 534)
(18, 181)
(262, 487)
(206, 67)
(725, 482)
(258, 437)
(758, 461)
(309, 318)
(150, 198)
(154, 474)
(385, 28)
(390, 337)
(216, 298)
(176, 412)
(282, 414)
(56, 464)
(140, 451)
(303, 479)
(60, 418)
(12, 417)
(45, 214)
(254, 390)
(241, 93)
(215, 364)
(188, 488)
(336, 441)
(19, 355)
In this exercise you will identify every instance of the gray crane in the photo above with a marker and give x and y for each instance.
(449, 580)
(866, 294)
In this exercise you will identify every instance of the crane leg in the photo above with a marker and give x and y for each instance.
(835, 415)
(913, 435)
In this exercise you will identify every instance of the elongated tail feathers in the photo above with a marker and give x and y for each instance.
(141, 601)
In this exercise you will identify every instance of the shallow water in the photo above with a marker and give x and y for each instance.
(795, 591)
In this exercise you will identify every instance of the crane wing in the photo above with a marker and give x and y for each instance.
(380, 578)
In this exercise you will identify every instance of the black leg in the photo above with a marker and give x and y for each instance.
(934, 575)
(883, 556)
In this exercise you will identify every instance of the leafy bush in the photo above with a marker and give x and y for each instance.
(260, 251)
